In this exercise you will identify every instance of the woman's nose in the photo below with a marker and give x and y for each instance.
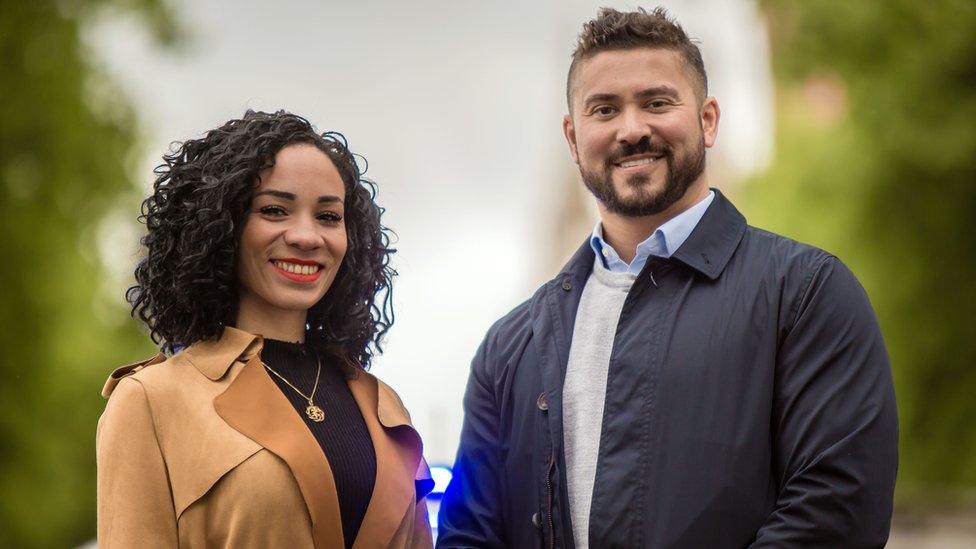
(302, 235)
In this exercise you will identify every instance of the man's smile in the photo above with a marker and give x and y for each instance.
(638, 160)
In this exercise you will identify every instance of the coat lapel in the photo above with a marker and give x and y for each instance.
(398, 458)
(254, 405)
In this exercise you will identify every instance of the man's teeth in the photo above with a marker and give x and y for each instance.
(297, 269)
(641, 162)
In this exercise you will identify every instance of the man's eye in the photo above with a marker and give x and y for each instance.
(272, 210)
(604, 110)
(657, 104)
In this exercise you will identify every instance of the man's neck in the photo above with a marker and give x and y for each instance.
(625, 233)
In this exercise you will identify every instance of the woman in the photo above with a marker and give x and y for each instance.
(267, 268)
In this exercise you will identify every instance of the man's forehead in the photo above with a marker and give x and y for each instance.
(632, 69)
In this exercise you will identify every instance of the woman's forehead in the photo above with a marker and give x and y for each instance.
(302, 169)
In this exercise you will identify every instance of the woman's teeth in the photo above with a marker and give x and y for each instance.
(297, 269)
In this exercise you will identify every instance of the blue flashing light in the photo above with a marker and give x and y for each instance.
(441, 474)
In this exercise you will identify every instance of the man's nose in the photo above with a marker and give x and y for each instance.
(633, 127)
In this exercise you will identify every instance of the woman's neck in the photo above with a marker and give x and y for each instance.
(257, 317)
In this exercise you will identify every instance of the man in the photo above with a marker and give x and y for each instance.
(687, 380)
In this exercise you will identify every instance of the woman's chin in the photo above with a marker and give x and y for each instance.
(297, 305)
(294, 301)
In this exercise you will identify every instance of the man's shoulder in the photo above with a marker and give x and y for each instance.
(781, 255)
(514, 321)
(516, 325)
(797, 268)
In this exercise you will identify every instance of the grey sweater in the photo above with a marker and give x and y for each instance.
(585, 387)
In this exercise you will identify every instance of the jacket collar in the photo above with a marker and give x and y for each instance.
(710, 246)
(214, 357)
(578, 266)
(707, 249)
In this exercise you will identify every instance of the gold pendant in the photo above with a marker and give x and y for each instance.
(315, 413)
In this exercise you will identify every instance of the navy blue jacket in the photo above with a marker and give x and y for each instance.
(749, 403)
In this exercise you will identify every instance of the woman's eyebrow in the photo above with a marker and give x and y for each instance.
(284, 195)
(278, 194)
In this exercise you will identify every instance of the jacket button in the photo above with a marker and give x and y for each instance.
(542, 403)
(536, 520)
(567, 286)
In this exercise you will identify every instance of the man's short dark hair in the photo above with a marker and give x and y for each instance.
(616, 30)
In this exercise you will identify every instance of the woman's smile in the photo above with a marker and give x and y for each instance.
(298, 270)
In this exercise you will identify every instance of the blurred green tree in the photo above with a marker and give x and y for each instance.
(67, 137)
(876, 162)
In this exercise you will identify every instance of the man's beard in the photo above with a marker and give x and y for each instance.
(682, 172)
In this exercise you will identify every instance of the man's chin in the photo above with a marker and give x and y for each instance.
(638, 187)
(640, 199)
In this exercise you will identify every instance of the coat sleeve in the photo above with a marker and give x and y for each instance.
(470, 513)
(421, 538)
(135, 505)
(834, 421)
(423, 483)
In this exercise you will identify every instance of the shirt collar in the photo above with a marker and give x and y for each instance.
(707, 250)
(663, 242)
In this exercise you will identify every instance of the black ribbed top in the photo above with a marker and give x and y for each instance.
(343, 435)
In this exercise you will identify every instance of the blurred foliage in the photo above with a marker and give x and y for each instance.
(876, 162)
(67, 137)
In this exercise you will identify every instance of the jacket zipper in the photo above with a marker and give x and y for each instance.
(552, 531)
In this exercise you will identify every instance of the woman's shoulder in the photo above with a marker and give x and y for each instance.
(136, 391)
(177, 394)
(128, 370)
(200, 369)
(154, 373)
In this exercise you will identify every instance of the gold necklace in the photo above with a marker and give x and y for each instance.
(313, 412)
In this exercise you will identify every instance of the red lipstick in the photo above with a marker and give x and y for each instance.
(297, 277)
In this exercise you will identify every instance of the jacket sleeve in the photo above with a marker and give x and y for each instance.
(470, 513)
(135, 505)
(421, 538)
(834, 421)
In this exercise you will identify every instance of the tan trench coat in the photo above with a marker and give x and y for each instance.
(203, 450)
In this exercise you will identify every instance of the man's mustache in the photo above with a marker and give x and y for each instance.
(644, 146)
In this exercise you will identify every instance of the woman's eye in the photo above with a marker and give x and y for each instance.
(272, 210)
(331, 217)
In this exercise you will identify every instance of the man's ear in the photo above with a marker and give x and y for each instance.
(570, 132)
(710, 114)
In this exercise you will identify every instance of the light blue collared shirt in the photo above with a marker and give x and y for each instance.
(662, 243)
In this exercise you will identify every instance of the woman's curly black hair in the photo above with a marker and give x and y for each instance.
(187, 286)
